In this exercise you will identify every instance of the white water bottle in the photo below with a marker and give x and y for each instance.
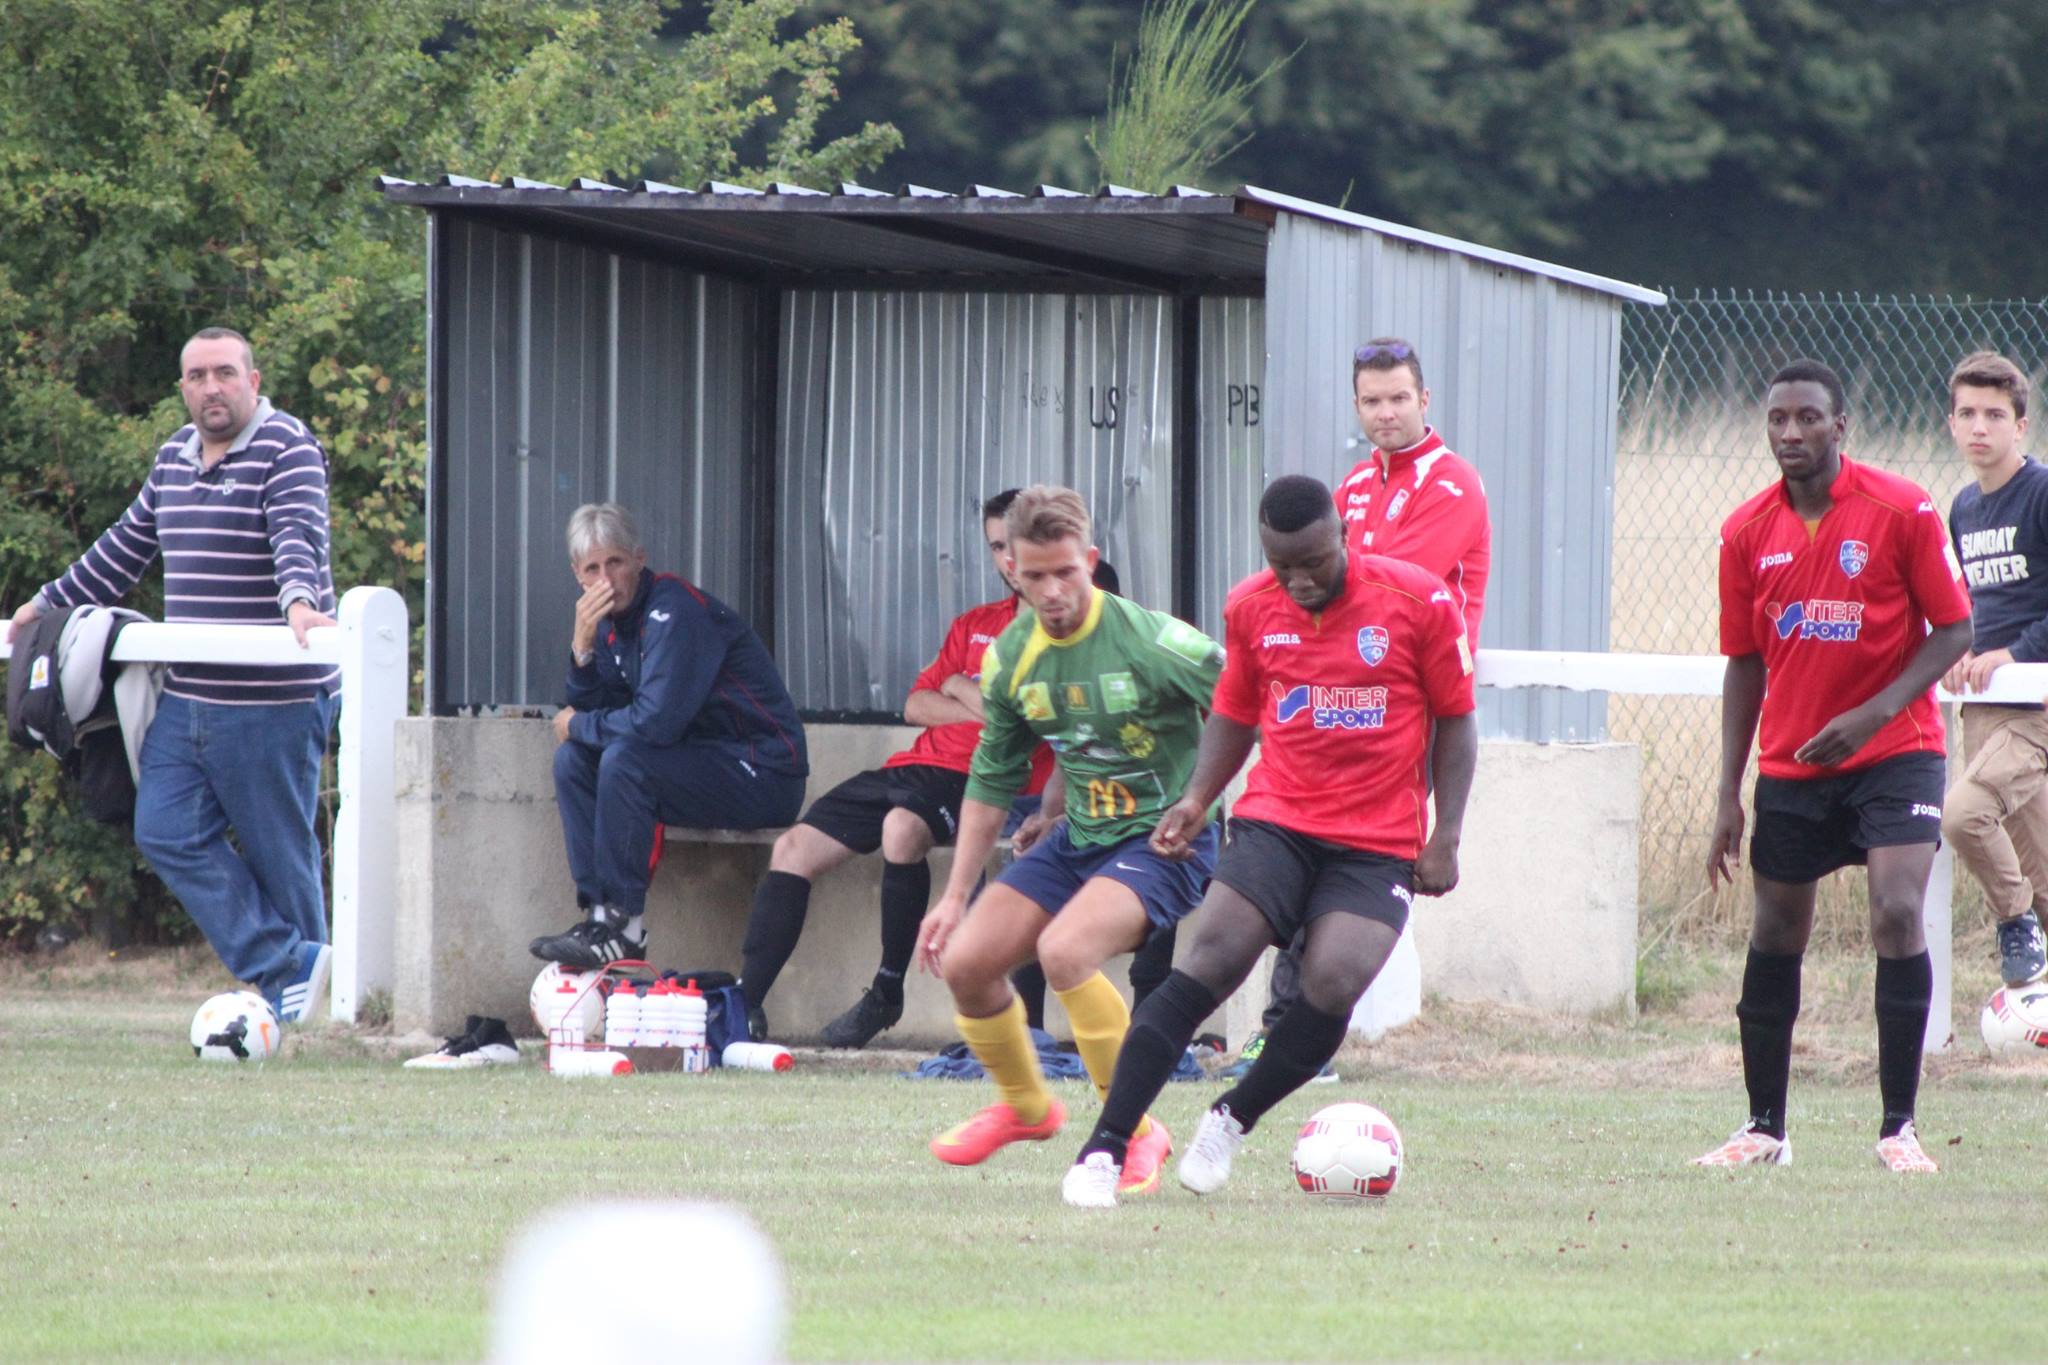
(692, 1017)
(757, 1056)
(658, 1023)
(625, 1017)
(575, 1061)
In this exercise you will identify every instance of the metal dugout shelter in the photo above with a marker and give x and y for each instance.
(804, 396)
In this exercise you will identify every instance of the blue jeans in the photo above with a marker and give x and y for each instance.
(611, 798)
(206, 768)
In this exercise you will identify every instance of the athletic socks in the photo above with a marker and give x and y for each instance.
(1904, 987)
(1159, 1033)
(906, 895)
(1002, 1044)
(1151, 963)
(773, 928)
(1767, 1011)
(1295, 1051)
(1100, 1018)
(1029, 983)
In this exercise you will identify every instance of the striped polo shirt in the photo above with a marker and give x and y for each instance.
(240, 542)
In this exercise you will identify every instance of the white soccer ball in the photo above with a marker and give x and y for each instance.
(566, 1004)
(2015, 1020)
(1348, 1151)
(235, 1026)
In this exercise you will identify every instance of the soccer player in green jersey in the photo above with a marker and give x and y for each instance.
(1121, 694)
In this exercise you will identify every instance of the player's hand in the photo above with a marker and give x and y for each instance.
(25, 615)
(591, 608)
(1841, 738)
(1177, 828)
(562, 719)
(302, 616)
(1972, 672)
(937, 931)
(1727, 842)
(1034, 827)
(1436, 868)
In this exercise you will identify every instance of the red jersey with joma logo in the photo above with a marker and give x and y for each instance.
(1343, 699)
(952, 746)
(1427, 506)
(1836, 613)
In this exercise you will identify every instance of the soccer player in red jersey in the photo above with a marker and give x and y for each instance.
(1841, 605)
(1412, 498)
(1354, 672)
(903, 808)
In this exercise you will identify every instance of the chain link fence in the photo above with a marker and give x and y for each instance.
(1690, 448)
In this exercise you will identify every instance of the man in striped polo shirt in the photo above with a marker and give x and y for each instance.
(236, 504)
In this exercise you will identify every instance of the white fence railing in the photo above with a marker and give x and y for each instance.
(371, 644)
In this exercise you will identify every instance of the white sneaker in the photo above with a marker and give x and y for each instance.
(1748, 1147)
(1206, 1163)
(1091, 1182)
(1904, 1155)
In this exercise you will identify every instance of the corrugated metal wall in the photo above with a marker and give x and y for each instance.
(1231, 451)
(899, 412)
(573, 375)
(1523, 374)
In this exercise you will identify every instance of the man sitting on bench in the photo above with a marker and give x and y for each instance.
(905, 808)
(676, 715)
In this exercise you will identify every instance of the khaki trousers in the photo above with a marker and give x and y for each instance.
(1996, 814)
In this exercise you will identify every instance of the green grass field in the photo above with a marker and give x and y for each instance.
(331, 1206)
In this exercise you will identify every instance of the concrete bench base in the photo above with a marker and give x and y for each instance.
(1545, 916)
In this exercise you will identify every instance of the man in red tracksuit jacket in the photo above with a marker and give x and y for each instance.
(1412, 498)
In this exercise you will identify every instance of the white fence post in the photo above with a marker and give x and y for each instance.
(375, 640)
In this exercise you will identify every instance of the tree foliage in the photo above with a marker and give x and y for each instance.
(1783, 143)
(1177, 105)
(169, 164)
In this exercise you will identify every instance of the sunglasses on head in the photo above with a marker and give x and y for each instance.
(1392, 351)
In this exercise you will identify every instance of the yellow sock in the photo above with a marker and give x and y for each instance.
(1100, 1018)
(1002, 1043)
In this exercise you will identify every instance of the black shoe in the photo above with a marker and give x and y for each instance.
(589, 946)
(870, 1015)
(757, 1024)
(2022, 955)
(483, 1042)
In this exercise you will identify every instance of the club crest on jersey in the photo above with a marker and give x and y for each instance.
(1818, 619)
(1855, 557)
(1331, 708)
(1395, 504)
(1037, 699)
(1372, 644)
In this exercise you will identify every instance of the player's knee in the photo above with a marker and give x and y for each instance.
(572, 765)
(905, 836)
(1066, 963)
(790, 852)
(1333, 987)
(1896, 926)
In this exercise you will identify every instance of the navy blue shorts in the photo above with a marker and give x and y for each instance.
(1054, 870)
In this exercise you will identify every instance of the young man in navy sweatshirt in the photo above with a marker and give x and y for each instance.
(676, 715)
(1996, 815)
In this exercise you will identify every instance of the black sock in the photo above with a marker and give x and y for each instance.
(1904, 987)
(1768, 1008)
(1151, 963)
(1029, 983)
(1295, 1050)
(1159, 1034)
(906, 895)
(773, 928)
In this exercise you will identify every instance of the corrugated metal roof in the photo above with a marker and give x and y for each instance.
(1116, 237)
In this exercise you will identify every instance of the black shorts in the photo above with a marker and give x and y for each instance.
(1808, 827)
(853, 811)
(1295, 879)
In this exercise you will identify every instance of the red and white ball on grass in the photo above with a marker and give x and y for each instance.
(2015, 1020)
(1348, 1151)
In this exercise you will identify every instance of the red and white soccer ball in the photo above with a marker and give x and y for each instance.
(1348, 1151)
(566, 1004)
(235, 1026)
(2015, 1020)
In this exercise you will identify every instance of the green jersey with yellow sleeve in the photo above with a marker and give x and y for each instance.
(1122, 701)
